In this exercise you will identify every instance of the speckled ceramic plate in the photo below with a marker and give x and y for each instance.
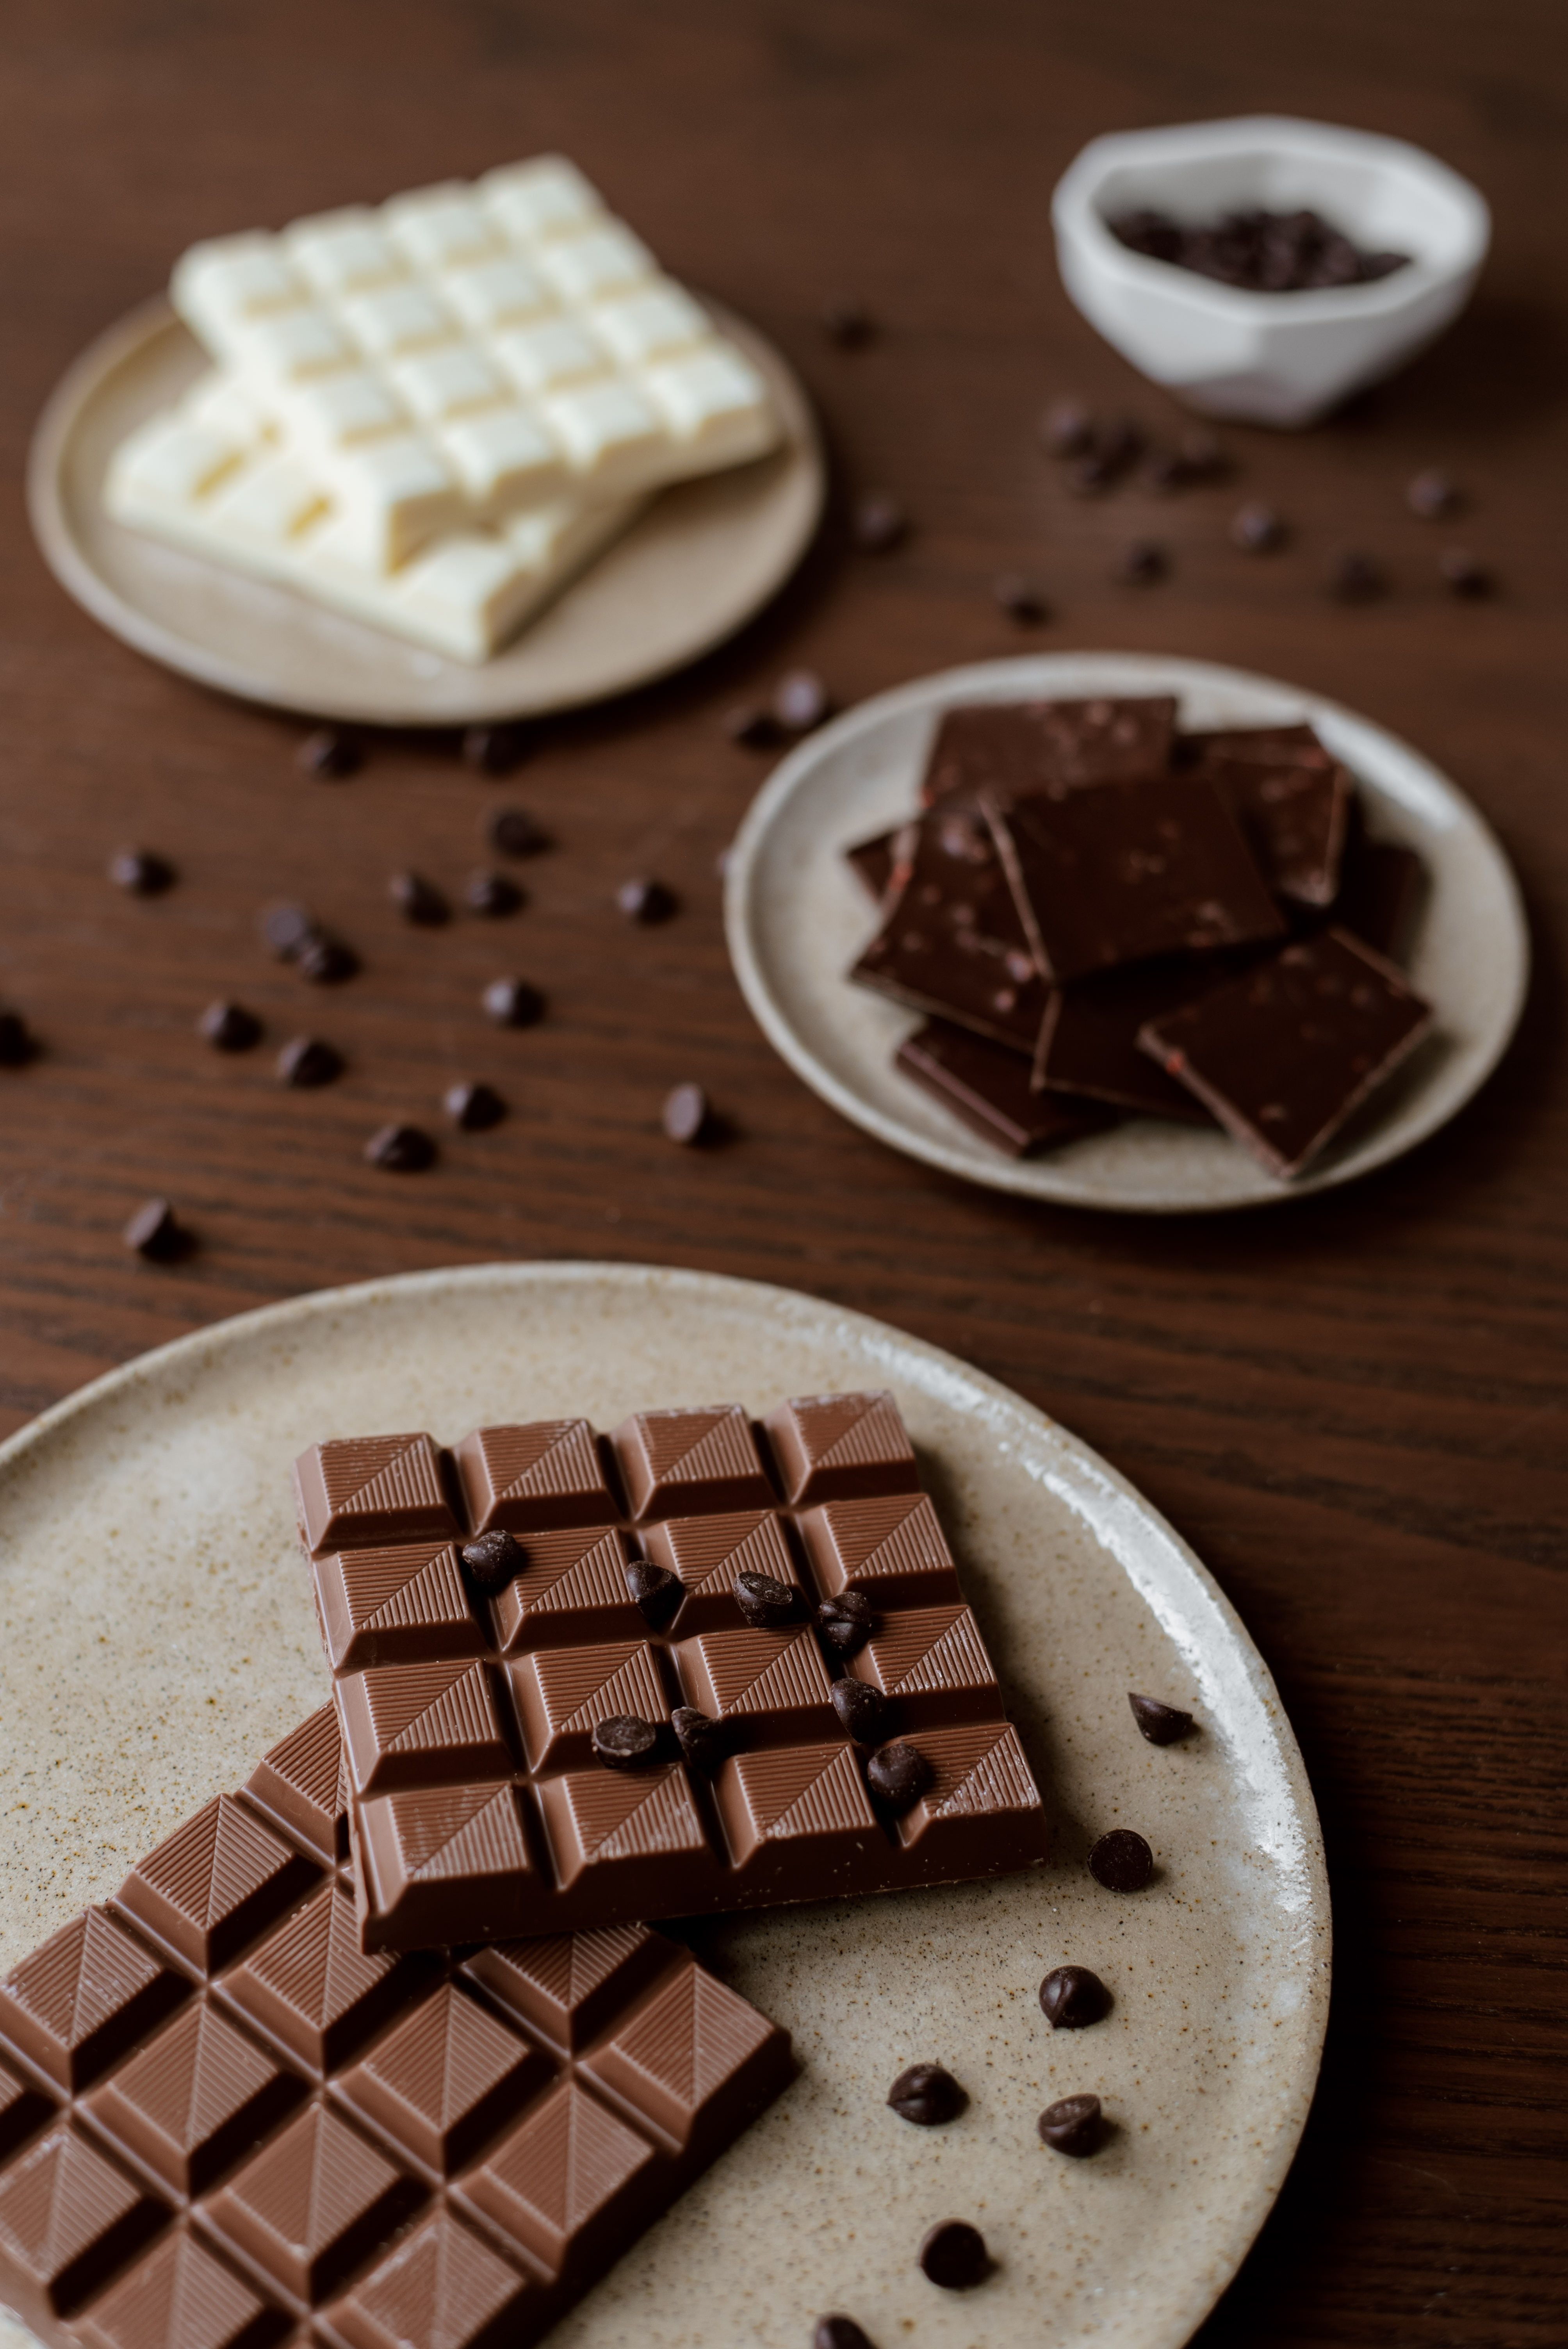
(690, 571)
(156, 1635)
(797, 918)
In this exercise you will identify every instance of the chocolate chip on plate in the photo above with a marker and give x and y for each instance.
(657, 1593)
(1433, 495)
(1066, 428)
(646, 901)
(625, 1741)
(1257, 530)
(229, 1028)
(418, 900)
(702, 1742)
(863, 1711)
(848, 325)
(1121, 1861)
(878, 523)
(512, 1003)
(141, 872)
(765, 1603)
(953, 2255)
(686, 1113)
(156, 1233)
(324, 961)
(492, 1560)
(926, 2094)
(308, 1062)
(401, 1149)
(845, 1621)
(512, 832)
(1354, 578)
(1142, 563)
(1073, 2125)
(330, 753)
(1019, 598)
(287, 929)
(495, 750)
(800, 700)
(749, 722)
(17, 1042)
(899, 1775)
(1071, 1998)
(1162, 1724)
(839, 2333)
(474, 1108)
(1461, 574)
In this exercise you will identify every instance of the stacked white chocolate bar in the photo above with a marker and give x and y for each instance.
(430, 415)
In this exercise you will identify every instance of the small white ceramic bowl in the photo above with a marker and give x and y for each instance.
(1268, 358)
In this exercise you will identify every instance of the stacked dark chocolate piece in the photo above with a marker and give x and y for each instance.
(1104, 916)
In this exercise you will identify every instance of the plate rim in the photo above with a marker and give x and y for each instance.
(1032, 1178)
(75, 571)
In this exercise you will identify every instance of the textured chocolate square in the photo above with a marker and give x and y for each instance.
(1088, 1044)
(1293, 815)
(1013, 749)
(875, 862)
(952, 941)
(991, 1088)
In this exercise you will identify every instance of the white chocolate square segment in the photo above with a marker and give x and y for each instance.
(343, 252)
(652, 323)
(457, 381)
(442, 228)
(169, 460)
(219, 286)
(714, 400)
(496, 294)
(270, 502)
(394, 495)
(292, 347)
(603, 262)
(548, 356)
(398, 320)
(610, 433)
(534, 202)
(340, 412)
(503, 459)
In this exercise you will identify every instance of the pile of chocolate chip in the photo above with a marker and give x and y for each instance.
(1262, 251)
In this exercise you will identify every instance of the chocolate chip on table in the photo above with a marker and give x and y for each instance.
(492, 1560)
(401, 1149)
(1071, 1998)
(656, 1592)
(330, 753)
(1354, 578)
(878, 523)
(307, 1061)
(229, 1028)
(953, 2255)
(1433, 495)
(801, 701)
(766, 1604)
(1204, 454)
(492, 893)
(286, 928)
(156, 1233)
(845, 1621)
(1142, 563)
(1121, 1861)
(1073, 2125)
(17, 1045)
(926, 2094)
(1461, 574)
(474, 1108)
(702, 1742)
(512, 1003)
(755, 725)
(324, 961)
(1162, 1724)
(646, 901)
(512, 832)
(418, 900)
(495, 750)
(863, 1711)
(686, 1113)
(899, 1775)
(848, 325)
(625, 1741)
(1257, 530)
(141, 872)
(839, 2333)
(1066, 428)
(1019, 598)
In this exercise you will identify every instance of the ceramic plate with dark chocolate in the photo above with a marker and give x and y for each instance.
(1126, 932)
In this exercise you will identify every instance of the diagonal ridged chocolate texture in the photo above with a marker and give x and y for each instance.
(981, 1791)
(442, 2288)
(415, 1725)
(790, 1793)
(189, 2101)
(573, 1587)
(22, 2109)
(67, 2211)
(563, 1694)
(933, 1662)
(372, 1489)
(545, 1474)
(558, 2177)
(595, 1818)
(313, 1988)
(893, 1549)
(180, 2296)
(842, 1447)
(677, 2049)
(300, 1782)
(81, 1999)
(310, 2204)
(566, 1985)
(675, 1461)
(438, 2083)
(708, 1553)
(767, 1683)
(213, 1883)
(401, 1605)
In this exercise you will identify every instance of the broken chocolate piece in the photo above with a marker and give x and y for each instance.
(927, 2095)
(1121, 1861)
(1072, 1998)
(1382, 890)
(875, 861)
(1073, 2125)
(990, 1088)
(1162, 1724)
(1294, 818)
(952, 941)
(702, 1742)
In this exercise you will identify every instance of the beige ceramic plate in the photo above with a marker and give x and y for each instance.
(692, 570)
(156, 1634)
(797, 917)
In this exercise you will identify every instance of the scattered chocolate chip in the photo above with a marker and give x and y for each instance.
(1257, 530)
(156, 1233)
(926, 2094)
(324, 961)
(625, 1742)
(765, 1603)
(953, 2255)
(1066, 428)
(845, 1622)
(839, 2333)
(1204, 454)
(1166, 469)
(512, 1003)
(418, 900)
(1162, 1724)
(401, 1149)
(1019, 598)
(1121, 1861)
(1461, 574)
(495, 750)
(229, 1028)
(1354, 578)
(657, 1593)
(17, 1043)
(287, 928)
(1433, 495)
(307, 1063)
(646, 901)
(686, 1113)
(751, 724)
(702, 1742)
(863, 1711)
(492, 894)
(474, 1108)
(330, 753)
(879, 523)
(492, 1560)
(849, 326)
(1072, 2125)
(1071, 1998)
(898, 1775)
(512, 832)
(801, 701)
(141, 872)
(1089, 476)
(1142, 563)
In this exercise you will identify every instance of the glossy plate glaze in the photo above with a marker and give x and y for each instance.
(156, 1635)
(797, 917)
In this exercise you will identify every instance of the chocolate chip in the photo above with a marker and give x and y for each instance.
(1121, 1861)
(474, 1108)
(686, 1113)
(1257, 530)
(626, 1742)
(324, 961)
(1162, 1724)
(1142, 563)
(1433, 495)
(657, 1593)
(512, 832)
(492, 1560)
(418, 900)
(512, 1003)
(898, 1775)
(1066, 428)
(229, 1028)
(492, 894)
(401, 1149)
(703, 1742)
(141, 872)
(926, 2094)
(765, 1603)
(1072, 2125)
(330, 753)
(845, 1622)
(801, 701)
(839, 2333)
(1166, 469)
(1354, 578)
(495, 750)
(17, 1043)
(1461, 574)
(646, 901)
(751, 724)
(1071, 1998)
(307, 1063)
(953, 2255)
(879, 523)
(287, 929)
(156, 1233)
(863, 1711)
(848, 325)
(1019, 598)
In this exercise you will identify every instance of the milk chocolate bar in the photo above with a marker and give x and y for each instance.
(224, 2127)
(1016, 749)
(724, 1666)
(950, 940)
(990, 1089)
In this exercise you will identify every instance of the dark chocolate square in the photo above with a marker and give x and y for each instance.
(952, 941)
(990, 1088)
(1294, 818)
(1014, 749)
(1089, 1037)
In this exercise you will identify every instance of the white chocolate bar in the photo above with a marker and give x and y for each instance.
(466, 352)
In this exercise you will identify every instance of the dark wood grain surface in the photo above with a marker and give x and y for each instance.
(1353, 1406)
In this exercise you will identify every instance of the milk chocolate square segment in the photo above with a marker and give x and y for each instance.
(372, 1489)
(82, 1999)
(931, 1662)
(561, 1694)
(421, 1724)
(765, 1686)
(677, 1461)
(545, 1473)
(444, 2080)
(893, 1549)
(399, 1605)
(709, 1553)
(842, 1448)
(215, 1882)
(573, 1587)
(564, 1987)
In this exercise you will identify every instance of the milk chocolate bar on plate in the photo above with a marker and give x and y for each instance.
(224, 2127)
(696, 1665)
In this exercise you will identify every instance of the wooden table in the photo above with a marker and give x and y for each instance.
(1353, 1406)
